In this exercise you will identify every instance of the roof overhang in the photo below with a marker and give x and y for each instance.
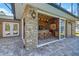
(51, 9)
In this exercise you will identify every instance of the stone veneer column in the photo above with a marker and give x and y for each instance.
(31, 28)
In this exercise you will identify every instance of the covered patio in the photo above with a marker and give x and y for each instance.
(48, 28)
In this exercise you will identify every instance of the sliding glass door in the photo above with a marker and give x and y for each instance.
(62, 28)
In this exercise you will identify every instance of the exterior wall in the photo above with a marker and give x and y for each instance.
(69, 31)
(7, 20)
(31, 28)
(70, 28)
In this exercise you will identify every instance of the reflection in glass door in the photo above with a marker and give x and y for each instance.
(62, 28)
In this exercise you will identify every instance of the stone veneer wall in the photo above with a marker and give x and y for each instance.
(31, 28)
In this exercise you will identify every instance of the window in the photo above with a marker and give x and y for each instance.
(70, 7)
(75, 9)
(6, 9)
(15, 27)
(59, 4)
(7, 27)
(43, 21)
(10, 29)
(66, 6)
(62, 28)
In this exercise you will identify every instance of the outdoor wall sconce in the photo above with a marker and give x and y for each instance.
(33, 14)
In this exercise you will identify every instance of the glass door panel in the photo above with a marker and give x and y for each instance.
(62, 28)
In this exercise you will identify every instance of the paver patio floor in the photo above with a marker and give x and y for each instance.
(14, 47)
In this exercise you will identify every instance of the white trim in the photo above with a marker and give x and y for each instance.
(23, 31)
(22, 28)
(49, 43)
